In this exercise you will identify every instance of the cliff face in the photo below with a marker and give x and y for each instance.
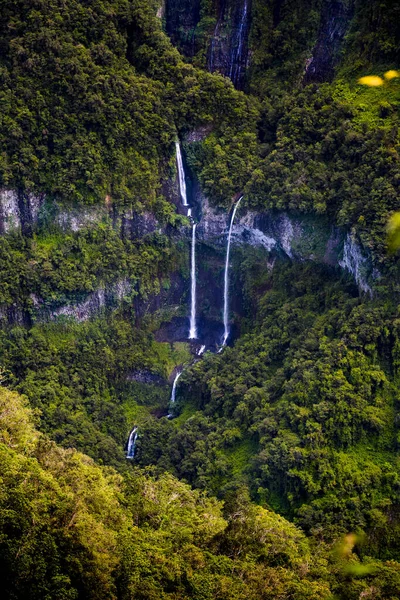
(279, 234)
(228, 50)
(219, 35)
(29, 213)
(298, 237)
(18, 210)
(336, 17)
(182, 18)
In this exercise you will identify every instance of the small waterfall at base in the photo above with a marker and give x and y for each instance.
(181, 174)
(173, 394)
(130, 452)
(193, 329)
(226, 277)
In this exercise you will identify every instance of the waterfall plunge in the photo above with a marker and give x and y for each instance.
(193, 328)
(173, 394)
(181, 174)
(226, 277)
(130, 452)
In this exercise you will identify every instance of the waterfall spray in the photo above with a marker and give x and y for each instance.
(130, 452)
(226, 277)
(193, 329)
(181, 174)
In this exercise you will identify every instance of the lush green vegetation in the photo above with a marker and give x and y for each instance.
(80, 122)
(71, 529)
(309, 396)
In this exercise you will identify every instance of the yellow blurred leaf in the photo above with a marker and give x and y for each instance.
(393, 230)
(391, 75)
(359, 570)
(371, 80)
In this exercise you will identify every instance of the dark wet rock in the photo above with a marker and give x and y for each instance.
(228, 51)
(136, 225)
(210, 332)
(182, 17)
(145, 376)
(335, 20)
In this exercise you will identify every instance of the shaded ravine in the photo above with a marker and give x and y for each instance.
(237, 52)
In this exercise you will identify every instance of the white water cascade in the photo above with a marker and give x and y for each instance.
(226, 277)
(130, 452)
(193, 328)
(236, 54)
(173, 394)
(181, 174)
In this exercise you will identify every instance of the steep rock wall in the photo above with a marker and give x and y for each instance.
(336, 17)
(299, 237)
(182, 18)
(228, 49)
(19, 210)
(219, 33)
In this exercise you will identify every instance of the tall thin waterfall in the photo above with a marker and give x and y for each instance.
(226, 277)
(236, 54)
(130, 452)
(181, 174)
(193, 328)
(173, 393)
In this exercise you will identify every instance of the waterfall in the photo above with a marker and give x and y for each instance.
(189, 212)
(193, 329)
(173, 394)
(226, 277)
(214, 37)
(201, 350)
(130, 452)
(181, 174)
(236, 55)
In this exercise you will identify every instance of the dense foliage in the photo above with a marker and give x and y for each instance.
(71, 529)
(80, 122)
(303, 408)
